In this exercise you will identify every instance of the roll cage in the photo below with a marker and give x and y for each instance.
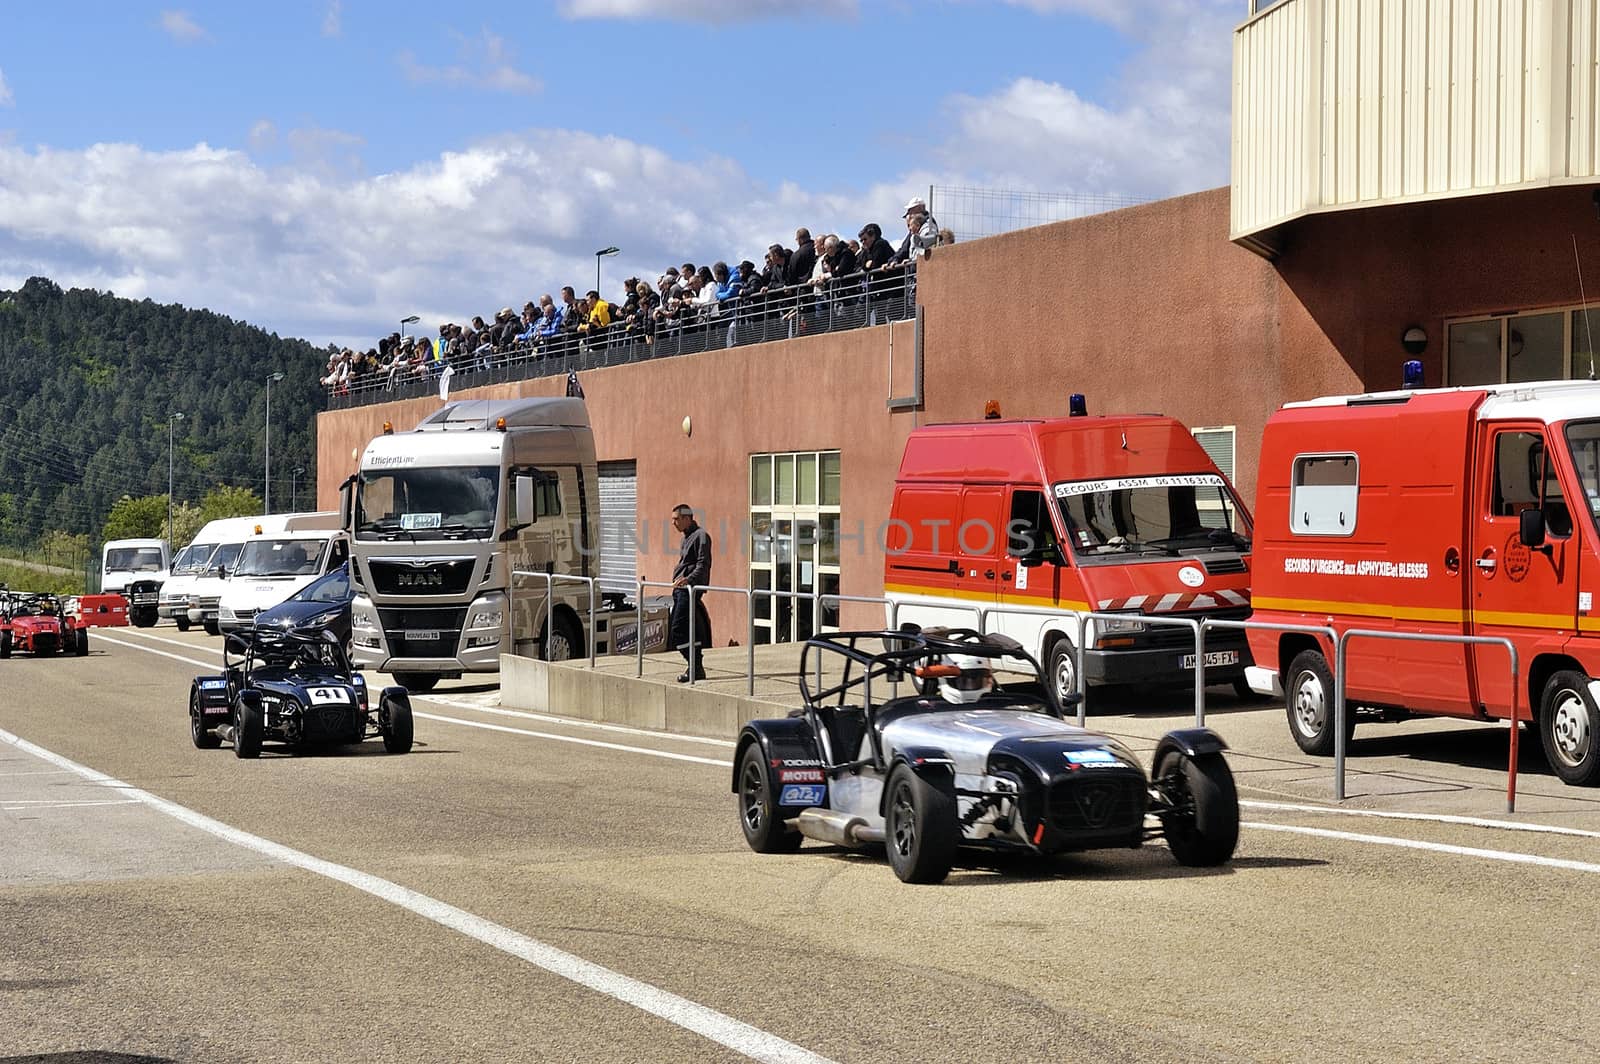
(905, 656)
(14, 605)
(282, 651)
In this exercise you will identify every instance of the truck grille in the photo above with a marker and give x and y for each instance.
(445, 621)
(1094, 803)
(446, 576)
(209, 602)
(1171, 635)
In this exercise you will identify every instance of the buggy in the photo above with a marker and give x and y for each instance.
(39, 624)
(295, 687)
(932, 741)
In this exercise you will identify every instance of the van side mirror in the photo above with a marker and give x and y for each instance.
(1531, 529)
(222, 572)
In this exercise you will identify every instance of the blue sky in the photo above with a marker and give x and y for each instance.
(314, 166)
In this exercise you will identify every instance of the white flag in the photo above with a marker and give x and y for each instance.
(444, 383)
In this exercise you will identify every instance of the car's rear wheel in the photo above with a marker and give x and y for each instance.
(418, 683)
(759, 816)
(921, 831)
(211, 627)
(81, 643)
(248, 726)
(1569, 726)
(182, 623)
(394, 723)
(1202, 829)
(1309, 704)
(204, 738)
(5, 644)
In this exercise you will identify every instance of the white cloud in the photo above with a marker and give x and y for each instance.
(6, 99)
(487, 62)
(183, 29)
(708, 10)
(331, 25)
(263, 135)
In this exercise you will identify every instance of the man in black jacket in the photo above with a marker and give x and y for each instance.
(802, 261)
(693, 568)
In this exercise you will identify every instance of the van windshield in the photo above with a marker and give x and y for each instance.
(437, 503)
(193, 558)
(133, 559)
(1583, 441)
(1162, 516)
(280, 557)
(224, 556)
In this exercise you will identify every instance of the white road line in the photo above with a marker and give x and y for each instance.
(175, 642)
(1436, 818)
(1434, 847)
(621, 728)
(574, 739)
(163, 653)
(738, 1036)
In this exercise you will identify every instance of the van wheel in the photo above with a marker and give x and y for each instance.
(1063, 669)
(182, 623)
(1309, 704)
(1569, 726)
(212, 628)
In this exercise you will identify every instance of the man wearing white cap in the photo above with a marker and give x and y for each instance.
(922, 232)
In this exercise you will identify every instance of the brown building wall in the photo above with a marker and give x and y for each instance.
(1149, 309)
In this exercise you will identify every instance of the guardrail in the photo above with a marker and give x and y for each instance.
(549, 608)
(853, 302)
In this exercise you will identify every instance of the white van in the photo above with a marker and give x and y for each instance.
(274, 565)
(230, 535)
(135, 569)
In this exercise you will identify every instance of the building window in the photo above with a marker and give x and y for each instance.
(1322, 495)
(1536, 345)
(1215, 507)
(794, 543)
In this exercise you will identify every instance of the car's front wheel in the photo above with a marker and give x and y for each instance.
(1569, 725)
(80, 645)
(921, 831)
(203, 737)
(248, 726)
(759, 816)
(5, 644)
(394, 723)
(1202, 827)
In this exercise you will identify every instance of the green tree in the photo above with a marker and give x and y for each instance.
(141, 518)
(64, 549)
(224, 501)
(186, 524)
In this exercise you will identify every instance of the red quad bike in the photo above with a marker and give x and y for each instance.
(39, 625)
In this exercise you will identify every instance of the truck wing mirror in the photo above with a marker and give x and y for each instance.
(1531, 530)
(346, 510)
(525, 508)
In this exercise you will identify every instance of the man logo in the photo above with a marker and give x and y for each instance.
(428, 579)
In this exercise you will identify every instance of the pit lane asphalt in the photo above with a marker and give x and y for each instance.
(127, 932)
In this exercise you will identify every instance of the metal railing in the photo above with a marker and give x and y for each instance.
(550, 607)
(853, 302)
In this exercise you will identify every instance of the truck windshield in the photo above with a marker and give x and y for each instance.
(193, 558)
(1161, 516)
(437, 503)
(133, 559)
(280, 557)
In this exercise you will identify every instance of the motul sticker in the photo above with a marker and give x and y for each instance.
(800, 775)
(1365, 567)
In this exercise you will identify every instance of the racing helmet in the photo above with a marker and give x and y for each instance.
(973, 682)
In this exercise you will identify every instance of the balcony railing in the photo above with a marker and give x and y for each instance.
(852, 302)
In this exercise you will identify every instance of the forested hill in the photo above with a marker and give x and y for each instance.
(87, 381)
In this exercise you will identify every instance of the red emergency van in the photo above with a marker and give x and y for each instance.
(1092, 514)
(1465, 511)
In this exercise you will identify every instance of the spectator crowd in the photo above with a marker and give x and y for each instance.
(788, 286)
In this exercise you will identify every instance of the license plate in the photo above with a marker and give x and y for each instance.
(422, 633)
(1214, 658)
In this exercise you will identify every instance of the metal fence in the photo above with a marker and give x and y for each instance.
(854, 302)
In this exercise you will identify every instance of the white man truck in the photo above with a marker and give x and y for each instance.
(441, 516)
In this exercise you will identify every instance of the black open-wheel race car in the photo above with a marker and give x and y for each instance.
(295, 687)
(931, 741)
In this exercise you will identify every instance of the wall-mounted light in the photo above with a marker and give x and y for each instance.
(1414, 340)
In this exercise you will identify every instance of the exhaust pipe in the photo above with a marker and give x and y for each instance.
(836, 828)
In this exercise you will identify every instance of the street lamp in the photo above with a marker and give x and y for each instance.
(176, 416)
(598, 255)
(294, 486)
(266, 487)
(409, 319)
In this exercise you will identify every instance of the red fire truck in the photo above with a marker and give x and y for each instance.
(1126, 515)
(1464, 511)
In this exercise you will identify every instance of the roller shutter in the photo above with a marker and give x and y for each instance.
(619, 514)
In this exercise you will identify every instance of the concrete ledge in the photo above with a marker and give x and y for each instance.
(715, 708)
